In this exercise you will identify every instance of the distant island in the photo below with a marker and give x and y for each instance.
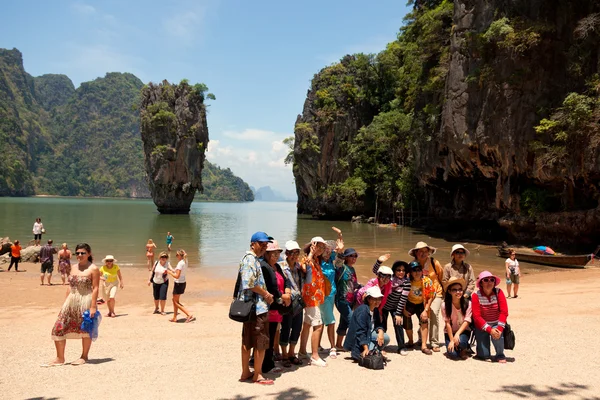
(265, 193)
(56, 139)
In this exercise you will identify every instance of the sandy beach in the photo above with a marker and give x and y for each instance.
(140, 355)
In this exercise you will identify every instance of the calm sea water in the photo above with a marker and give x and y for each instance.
(215, 235)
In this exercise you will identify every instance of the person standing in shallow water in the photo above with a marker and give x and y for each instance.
(82, 295)
(169, 240)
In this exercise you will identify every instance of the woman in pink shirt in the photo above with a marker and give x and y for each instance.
(457, 314)
(490, 312)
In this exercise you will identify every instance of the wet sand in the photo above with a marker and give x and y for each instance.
(141, 355)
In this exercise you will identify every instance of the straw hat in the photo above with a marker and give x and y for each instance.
(454, 280)
(421, 245)
(459, 246)
(109, 258)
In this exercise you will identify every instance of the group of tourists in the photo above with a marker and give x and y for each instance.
(295, 296)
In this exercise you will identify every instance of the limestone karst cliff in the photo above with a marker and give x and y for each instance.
(175, 137)
(482, 112)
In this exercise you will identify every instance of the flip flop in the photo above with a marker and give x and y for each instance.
(265, 381)
(48, 365)
(190, 319)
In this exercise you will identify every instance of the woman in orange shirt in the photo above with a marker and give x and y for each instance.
(15, 255)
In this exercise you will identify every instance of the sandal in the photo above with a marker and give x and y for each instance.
(286, 363)
(436, 349)
(295, 360)
(190, 319)
(332, 353)
(426, 351)
(265, 381)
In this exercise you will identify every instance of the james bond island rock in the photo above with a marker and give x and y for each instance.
(175, 136)
(482, 112)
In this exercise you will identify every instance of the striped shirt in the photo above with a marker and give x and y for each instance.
(397, 297)
(490, 312)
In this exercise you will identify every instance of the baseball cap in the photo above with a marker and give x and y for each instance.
(260, 237)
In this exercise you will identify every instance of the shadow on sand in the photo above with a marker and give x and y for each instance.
(548, 392)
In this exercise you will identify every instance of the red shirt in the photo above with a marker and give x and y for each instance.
(489, 312)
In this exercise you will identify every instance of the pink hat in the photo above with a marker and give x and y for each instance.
(486, 274)
(273, 246)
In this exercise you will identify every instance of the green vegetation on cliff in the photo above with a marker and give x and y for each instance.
(222, 185)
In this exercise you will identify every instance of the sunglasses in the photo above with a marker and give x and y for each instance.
(459, 252)
(456, 290)
(107, 260)
(80, 253)
(353, 256)
(486, 280)
(416, 270)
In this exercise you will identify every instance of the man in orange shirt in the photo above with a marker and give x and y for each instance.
(15, 255)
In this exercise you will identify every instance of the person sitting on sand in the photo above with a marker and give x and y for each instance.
(64, 262)
(150, 246)
(345, 298)
(457, 314)
(179, 285)
(459, 268)
(396, 300)
(160, 282)
(81, 295)
(365, 332)
(110, 276)
(418, 303)
(15, 256)
(490, 312)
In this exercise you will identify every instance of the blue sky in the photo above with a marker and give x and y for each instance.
(257, 57)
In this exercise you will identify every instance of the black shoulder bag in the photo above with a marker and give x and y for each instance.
(509, 334)
(241, 310)
(373, 360)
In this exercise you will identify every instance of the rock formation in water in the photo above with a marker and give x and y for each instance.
(503, 104)
(175, 136)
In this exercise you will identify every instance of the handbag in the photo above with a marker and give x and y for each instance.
(297, 305)
(509, 337)
(373, 360)
(242, 310)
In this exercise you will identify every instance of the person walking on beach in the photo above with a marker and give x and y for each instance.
(159, 278)
(64, 262)
(81, 296)
(150, 246)
(255, 334)
(169, 240)
(47, 260)
(432, 268)
(313, 294)
(459, 268)
(513, 273)
(179, 285)
(15, 255)
(38, 229)
(110, 275)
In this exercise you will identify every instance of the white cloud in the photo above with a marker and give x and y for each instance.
(184, 25)
(260, 163)
(83, 9)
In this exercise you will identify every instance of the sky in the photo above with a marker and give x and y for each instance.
(257, 57)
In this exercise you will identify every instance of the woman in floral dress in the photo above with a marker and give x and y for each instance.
(81, 296)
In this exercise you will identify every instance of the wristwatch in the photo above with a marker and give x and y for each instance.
(280, 301)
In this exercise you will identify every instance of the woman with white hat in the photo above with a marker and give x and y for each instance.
(432, 268)
(490, 312)
(111, 278)
(365, 331)
(457, 313)
(459, 268)
(291, 325)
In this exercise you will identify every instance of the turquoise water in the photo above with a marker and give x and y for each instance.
(215, 235)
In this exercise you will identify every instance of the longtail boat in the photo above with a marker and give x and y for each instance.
(557, 260)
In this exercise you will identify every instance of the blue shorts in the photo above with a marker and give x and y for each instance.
(327, 311)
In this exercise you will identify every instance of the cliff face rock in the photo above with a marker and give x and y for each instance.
(504, 76)
(330, 118)
(53, 90)
(175, 135)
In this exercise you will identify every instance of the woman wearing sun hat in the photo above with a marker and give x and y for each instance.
(432, 268)
(459, 268)
(457, 314)
(110, 278)
(365, 331)
(490, 312)
(383, 281)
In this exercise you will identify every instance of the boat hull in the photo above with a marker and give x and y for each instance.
(578, 261)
